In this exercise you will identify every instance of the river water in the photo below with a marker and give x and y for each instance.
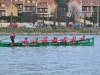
(69, 60)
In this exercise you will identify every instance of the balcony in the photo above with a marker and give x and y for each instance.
(42, 12)
(2, 14)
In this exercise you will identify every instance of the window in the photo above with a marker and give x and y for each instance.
(46, 9)
(28, 1)
(3, 5)
(20, 6)
(40, 3)
(28, 8)
(3, 13)
(45, 3)
(32, 8)
(33, 1)
(40, 9)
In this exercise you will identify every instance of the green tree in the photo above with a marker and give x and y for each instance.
(30, 17)
(93, 18)
(62, 4)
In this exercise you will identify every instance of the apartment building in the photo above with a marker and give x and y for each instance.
(41, 7)
(46, 7)
(83, 6)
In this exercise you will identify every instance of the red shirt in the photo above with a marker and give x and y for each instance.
(35, 40)
(54, 40)
(82, 38)
(25, 41)
(13, 34)
(63, 40)
(73, 39)
(44, 40)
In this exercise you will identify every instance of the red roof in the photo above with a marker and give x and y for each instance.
(49, 1)
(30, 4)
(8, 3)
(18, 2)
(45, 5)
(89, 2)
(78, 1)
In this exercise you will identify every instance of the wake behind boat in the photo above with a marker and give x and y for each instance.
(86, 42)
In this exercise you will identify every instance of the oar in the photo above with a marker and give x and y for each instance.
(5, 38)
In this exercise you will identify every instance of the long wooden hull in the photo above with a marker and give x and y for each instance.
(87, 42)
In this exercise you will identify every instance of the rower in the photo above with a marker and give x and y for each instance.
(25, 40)
(64, 39)
(35, 40)
(54, 40)
(44, 40)
(73, 39)
(82, 38)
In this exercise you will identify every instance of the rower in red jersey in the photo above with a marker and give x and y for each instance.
(25, 40)
(64, 39)
(73, 39)
(54, 40)
(82, 38)
(35, 40)
(44, 40)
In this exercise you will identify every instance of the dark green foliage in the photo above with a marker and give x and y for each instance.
(30, 17)
(93, 18)
(62, 4)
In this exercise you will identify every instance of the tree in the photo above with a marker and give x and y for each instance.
(11, 19)
(61, 15)
(75, 13)
(62, 4)
(84, 19)
(30, 17)
(94, 16)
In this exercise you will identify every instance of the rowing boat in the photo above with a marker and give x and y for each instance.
(86, 42)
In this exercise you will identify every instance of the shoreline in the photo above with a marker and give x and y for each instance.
(51, 33)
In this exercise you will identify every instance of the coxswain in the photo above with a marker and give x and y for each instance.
(64, 39)
(35, 40)
(12, 37)
(44, 40)
(25, 40)
(54, 40)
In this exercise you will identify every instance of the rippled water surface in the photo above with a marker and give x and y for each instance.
(69, 60)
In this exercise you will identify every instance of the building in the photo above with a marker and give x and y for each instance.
(46, 7)
(41, 7)
(84, 7)
(6, 8)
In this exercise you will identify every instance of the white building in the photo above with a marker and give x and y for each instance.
(83, 6)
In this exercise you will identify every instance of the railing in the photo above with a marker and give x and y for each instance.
(42, 12)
